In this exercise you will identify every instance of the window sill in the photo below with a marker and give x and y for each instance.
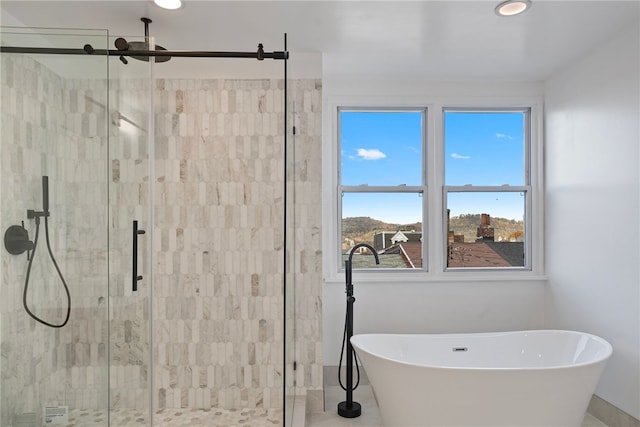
(443, 277)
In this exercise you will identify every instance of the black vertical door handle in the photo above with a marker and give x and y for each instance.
(134, 259)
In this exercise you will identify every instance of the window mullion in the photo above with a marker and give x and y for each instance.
(381, 189)
(486, 188)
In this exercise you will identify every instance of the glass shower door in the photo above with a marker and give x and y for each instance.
(197, 165)
(130, 240)
(54, 269)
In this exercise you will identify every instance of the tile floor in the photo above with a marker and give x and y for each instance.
(253, 418)
(180, 418)
(370, 416)
(219, 418)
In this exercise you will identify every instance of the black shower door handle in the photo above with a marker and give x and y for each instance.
(134, 260)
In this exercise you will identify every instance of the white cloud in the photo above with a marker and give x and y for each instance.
(503, 136)
(460, 156)
(372, 154)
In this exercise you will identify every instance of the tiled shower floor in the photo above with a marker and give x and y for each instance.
(179, 418)
(218, 417)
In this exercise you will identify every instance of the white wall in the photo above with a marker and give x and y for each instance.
(439, 303)
(592, 224)
(593, 213)
(433, 307)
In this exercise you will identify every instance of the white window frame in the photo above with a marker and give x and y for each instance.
(434, 225)
(394, 189)
(525, 188)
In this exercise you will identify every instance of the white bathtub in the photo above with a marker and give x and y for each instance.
(528, 378)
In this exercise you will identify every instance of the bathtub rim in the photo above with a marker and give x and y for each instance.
(608, 351)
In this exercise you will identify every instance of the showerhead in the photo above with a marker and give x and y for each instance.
(123, 45)
(145, 46)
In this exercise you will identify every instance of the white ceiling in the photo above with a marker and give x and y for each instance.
(440, 40)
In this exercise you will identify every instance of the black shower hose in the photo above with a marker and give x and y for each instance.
(344, 342)
(26, 282)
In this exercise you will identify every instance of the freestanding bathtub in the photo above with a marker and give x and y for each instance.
(529, 378)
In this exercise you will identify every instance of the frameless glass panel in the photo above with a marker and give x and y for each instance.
(484, 148)
(129, 175)
(292, 400)
(303, 360)
(486, 229)
(390, 222)
(381, 147)
(53, 180)
(218, 213)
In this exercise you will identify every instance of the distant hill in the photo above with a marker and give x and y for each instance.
(467, 224)
(361, 229)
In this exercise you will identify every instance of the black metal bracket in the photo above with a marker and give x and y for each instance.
(31, 214)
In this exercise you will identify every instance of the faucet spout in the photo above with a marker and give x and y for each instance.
(348, 266)
(365, 245)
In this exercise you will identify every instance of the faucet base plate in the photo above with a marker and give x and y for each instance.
(349, 411)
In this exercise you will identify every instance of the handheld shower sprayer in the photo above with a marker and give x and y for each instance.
(17, 241)
(45, 195)
(33, 214)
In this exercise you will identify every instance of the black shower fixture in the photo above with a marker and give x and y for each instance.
(123, 45)
(348, 408)
(161, 54)
(16, 241)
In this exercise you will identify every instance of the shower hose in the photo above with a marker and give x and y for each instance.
(344, 343)
(26, 282)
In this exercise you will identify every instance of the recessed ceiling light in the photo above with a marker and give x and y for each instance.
(512, 7)
(169, 4)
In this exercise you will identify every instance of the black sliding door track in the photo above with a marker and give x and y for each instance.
(89, 50)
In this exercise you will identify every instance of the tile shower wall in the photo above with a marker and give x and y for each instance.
(218, 305)
(218, 296)
(306, 251)
(218, 205)
(50, 128)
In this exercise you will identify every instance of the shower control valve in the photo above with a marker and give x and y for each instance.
(16, 240)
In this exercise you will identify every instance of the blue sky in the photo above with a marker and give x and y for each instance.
(382, 148)
(484, 148)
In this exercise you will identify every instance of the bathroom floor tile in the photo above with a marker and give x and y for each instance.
(179, 418)
(370, 415)
(591, 421)
(333, 395)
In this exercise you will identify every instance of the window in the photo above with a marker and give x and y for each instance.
(438, 191)
(487, 188)
(382, 186)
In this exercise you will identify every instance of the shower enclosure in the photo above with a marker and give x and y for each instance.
(172, 220)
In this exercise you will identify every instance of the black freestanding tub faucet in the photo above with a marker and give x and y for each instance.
(349, 408)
